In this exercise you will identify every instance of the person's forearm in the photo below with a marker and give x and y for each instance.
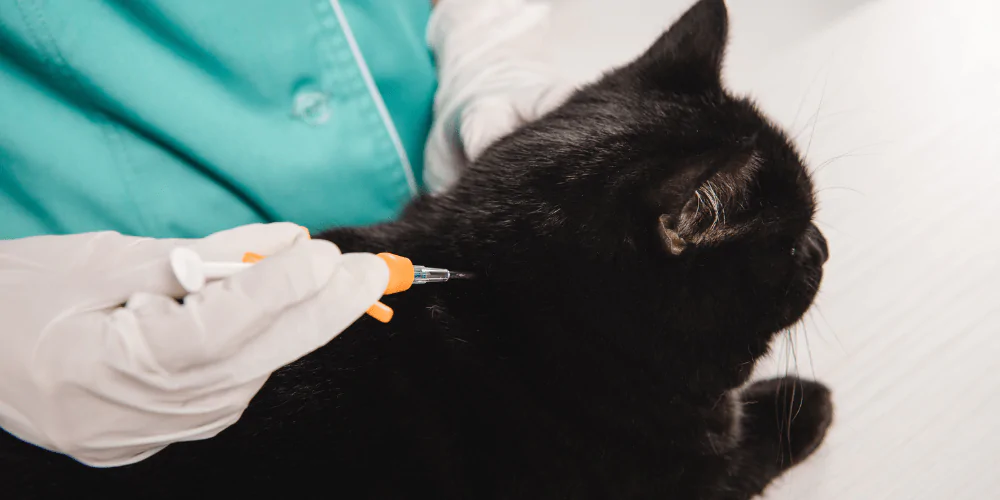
(493, 77)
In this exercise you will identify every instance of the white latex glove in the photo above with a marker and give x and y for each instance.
(109, 384)
(493, 78)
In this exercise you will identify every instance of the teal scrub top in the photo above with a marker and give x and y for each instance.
(178, 118)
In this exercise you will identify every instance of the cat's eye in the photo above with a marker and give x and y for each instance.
(793, 251)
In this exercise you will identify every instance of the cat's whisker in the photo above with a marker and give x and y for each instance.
(778, 361)
(802, 102)
(817, 117)
(778, 420)
(855, 152)
(790, 417)
(836, 337)
(830, 188)
(819, 107)
(819, 168)
(805, 126)
(799, 325)
(790, 333)
(826, 225)
(805, 337)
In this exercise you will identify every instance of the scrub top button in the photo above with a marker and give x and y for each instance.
(312, 107)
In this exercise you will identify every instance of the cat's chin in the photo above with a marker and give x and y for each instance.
(799, 305)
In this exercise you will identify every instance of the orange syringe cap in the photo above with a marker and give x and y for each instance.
(400, 273)
(400, 280)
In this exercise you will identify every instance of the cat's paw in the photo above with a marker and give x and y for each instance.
(786, 417)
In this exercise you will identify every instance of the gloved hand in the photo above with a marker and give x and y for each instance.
(492, 78)
(111, 384)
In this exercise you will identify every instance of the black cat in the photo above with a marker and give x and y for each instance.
(636, 250)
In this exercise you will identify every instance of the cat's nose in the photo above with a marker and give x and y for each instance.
(815, 245)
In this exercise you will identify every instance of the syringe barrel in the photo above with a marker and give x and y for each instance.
(220, 270)
(423, 275)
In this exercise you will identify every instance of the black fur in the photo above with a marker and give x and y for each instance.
(635, 251)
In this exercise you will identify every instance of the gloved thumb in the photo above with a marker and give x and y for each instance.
(227, 315)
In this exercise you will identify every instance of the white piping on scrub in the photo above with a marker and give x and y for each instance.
(376, 96)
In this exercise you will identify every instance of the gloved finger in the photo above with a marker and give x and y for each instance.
(124, 406)
(198, 418)
(484, 121)
(358, 282)
(532, 104)
(142, 265)
(109, 266)
(172, 417)
(216, 322)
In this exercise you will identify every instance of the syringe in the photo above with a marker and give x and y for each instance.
(192, 273)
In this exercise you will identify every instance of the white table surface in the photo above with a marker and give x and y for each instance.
(896, 106)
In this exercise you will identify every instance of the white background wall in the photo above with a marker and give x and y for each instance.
(896, 105)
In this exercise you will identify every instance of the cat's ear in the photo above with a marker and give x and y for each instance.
(676, 196)
(674, 193)
(688, 57)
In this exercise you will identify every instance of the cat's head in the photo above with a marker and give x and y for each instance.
(678, 206)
